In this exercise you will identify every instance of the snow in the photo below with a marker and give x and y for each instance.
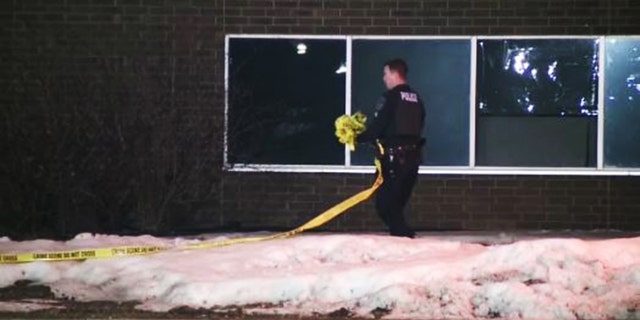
(532, 277)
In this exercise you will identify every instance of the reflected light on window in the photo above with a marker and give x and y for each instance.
(633, 83)
(551, 72)
(520, 64)
(302, 48)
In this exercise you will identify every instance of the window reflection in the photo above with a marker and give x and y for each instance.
(537, 102)
(622, 106)
(440, 71)
(284, 95)
(510, 81)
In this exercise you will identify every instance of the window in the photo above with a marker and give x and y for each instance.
(440, 71)
(283, 97)
(537, 102)
(622, 103)
(495, 105)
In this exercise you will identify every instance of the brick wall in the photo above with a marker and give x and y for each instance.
(62, 59)
(431, 17)
(189, 34)
(440, 202)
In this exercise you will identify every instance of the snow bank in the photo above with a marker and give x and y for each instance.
(403, 278)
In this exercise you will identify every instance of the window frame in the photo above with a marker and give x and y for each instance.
(471, 168)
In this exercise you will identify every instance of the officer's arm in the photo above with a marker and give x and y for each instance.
(380, 121)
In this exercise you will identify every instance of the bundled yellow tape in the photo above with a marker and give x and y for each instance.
(348, 127)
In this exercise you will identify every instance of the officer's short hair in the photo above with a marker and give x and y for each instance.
(399, 66)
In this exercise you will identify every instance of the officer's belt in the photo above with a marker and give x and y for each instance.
(403, 146)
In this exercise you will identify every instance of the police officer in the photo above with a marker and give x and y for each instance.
(397, 125)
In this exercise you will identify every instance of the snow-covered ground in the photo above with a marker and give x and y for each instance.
(433, 276)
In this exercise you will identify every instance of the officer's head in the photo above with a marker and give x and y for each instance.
(395, 73)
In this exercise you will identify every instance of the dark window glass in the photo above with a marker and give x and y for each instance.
(622, 103)
(440, 71)
(284, 95)
(537, 102)
(538, 77)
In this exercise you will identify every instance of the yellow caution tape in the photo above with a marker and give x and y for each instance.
(311, 224)
(80, 254)
(97, 253)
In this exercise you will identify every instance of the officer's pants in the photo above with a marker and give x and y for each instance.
(399, 173)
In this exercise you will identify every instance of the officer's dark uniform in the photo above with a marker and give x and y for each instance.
(397, 124)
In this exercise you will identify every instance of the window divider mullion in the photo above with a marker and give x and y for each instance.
(601, 101)
(347, 94)
(472, 103)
